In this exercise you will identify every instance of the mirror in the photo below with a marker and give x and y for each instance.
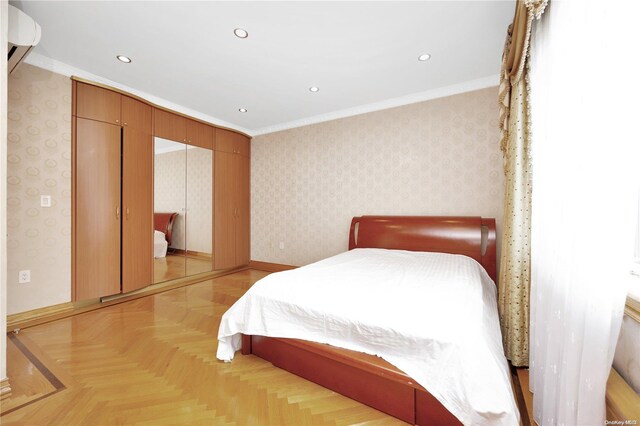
(169, 210)
(199, 210)
(183, 210)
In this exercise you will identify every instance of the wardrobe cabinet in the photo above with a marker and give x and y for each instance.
(117, 144)
(231, 200)
(181, 129)
(113, 198)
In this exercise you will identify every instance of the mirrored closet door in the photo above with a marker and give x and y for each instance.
(169, 210)
(199, 232)
(183, 213)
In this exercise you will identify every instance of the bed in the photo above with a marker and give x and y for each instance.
(439, 351)
(163, 230)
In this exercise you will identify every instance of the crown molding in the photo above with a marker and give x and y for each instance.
(53, 65)
(441, 92)
(56, 66)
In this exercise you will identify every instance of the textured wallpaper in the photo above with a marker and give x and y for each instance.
(39, 163)
(171, 192)
(439, 157)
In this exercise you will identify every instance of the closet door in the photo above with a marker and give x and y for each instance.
(97, 209)
(170, 126)
(137, 195)
(137, 204)
(243, 210)
(224, 210)
(97, 103)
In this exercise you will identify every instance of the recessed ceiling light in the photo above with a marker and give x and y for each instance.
(242, 110)
(313, 89)
(424, 57)
(124, 59)
(240, 33)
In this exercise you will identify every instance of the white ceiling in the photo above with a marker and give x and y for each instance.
(357, 53)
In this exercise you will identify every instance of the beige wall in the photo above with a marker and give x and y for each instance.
(439, 157)
(39, 163)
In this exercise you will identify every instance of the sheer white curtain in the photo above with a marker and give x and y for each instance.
(586, 169)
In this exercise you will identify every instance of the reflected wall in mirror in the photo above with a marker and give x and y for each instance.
(169, 213)
(199, 210)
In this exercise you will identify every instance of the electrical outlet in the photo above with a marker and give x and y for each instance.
(281, 245)
(24, 276)
(45, 201)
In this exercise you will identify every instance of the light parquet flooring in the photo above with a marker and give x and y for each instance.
(151, 361)
(174, 266)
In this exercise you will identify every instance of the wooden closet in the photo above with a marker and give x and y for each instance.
(231, 200)
(113, 187)
(113, 193)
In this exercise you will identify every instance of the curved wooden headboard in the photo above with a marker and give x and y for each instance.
(444, 234)
(163, 222)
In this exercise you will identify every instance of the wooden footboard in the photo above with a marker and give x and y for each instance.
(364, 378)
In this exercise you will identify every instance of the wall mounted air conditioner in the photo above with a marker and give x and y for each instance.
(24, 34)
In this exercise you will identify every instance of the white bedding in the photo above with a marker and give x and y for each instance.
(432, 315)
(159, 244)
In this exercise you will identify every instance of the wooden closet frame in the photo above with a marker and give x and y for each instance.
(74, 81)
(367, 378)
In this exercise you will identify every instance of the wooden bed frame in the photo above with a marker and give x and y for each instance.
(367, 378)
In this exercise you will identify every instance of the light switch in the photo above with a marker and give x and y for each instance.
(45, 201)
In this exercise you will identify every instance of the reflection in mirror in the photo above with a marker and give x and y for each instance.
(199, 210)
(169, 210)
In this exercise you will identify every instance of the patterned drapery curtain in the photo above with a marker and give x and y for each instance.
(515, 260)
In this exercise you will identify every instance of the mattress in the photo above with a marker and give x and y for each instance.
(432, 315)
(159, 244)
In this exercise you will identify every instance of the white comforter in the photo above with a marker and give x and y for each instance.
(432, 315)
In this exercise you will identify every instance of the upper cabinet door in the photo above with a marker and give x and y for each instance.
(199, 134)
(170, 126)
(96, 103)
(232, 142)
(136, 115)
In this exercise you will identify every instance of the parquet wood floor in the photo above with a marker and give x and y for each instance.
(174, 266)
(152, 361)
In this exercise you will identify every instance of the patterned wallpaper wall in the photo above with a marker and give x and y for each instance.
(439, 157)
(186, 177)
(39, 163)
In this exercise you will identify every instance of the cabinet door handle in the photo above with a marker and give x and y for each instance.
(125, 123)
(117, 121)
(118, 212)
(127, 213)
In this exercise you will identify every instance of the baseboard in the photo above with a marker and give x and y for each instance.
(5, 389)
(270, 267)
(622, 401)
(51, 313)
(14, 319)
